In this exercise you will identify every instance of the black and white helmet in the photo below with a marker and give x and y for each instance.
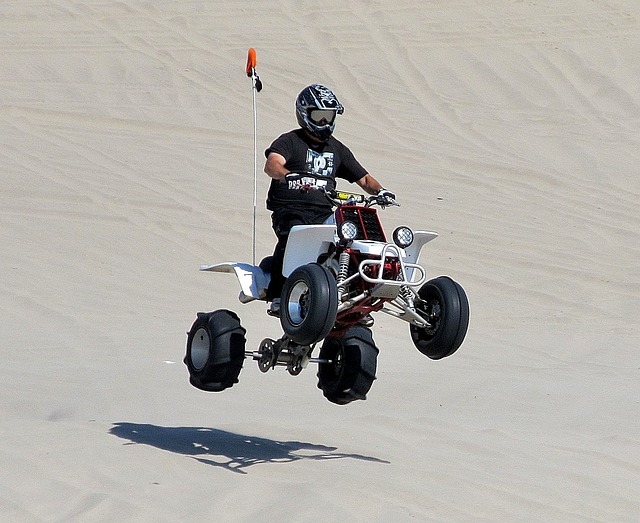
(316, 110)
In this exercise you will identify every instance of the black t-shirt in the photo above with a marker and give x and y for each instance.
(325, 161)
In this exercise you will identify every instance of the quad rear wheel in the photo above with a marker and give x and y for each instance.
(349, 366)
(215, 350)
(444, 305)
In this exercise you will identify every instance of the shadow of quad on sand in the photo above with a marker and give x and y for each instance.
(238, 451)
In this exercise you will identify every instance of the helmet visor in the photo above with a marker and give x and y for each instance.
(322, 116)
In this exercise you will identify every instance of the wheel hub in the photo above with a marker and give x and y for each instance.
(200, 349)
(434, 311)
(298, 304)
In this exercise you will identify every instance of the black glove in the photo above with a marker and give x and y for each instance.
(299, 181)
(385, 198)
(292, 177)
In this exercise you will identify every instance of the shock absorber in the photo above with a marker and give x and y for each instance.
(407, 296)
(343, 271)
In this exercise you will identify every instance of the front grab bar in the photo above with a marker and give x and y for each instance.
(388, 251)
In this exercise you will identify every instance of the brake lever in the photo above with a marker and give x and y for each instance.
(382, 201)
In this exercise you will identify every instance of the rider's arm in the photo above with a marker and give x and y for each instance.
(274, 166)
(369, 184)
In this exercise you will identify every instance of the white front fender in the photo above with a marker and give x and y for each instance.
(412, 253)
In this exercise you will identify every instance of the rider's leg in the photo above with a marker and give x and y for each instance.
(282, 221)
(277, 279)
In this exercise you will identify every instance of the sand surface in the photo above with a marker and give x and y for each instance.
(511, 127)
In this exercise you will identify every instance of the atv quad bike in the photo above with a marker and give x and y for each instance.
(337, 275)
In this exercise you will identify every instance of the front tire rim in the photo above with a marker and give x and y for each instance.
(434, 313)
(297, 304)
(200, 346)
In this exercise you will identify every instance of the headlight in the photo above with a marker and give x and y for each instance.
(403, 237)
(348, 231)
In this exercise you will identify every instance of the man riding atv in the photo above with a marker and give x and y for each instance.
(333, 267)
(311, 149)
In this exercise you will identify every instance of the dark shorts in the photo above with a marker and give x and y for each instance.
(283, 219)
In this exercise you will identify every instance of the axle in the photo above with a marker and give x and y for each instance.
(283, 353)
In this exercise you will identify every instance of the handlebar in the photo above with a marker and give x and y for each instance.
(339, 198)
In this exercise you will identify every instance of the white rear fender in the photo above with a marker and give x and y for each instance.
(253, 280)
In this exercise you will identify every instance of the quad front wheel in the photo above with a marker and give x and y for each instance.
(215, 350)
(309, 304)
(348, 366)
(443, 304)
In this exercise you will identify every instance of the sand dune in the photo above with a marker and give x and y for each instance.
(511, 128)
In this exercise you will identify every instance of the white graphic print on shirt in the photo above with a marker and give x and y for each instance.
(320, 164)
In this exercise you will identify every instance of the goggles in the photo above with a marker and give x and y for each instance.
(322, 116)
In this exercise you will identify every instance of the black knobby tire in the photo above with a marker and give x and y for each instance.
(309, 304)
(444, 304)
(215, 350)
(352, 368)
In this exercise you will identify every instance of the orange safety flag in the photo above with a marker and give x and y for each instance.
(252, 61)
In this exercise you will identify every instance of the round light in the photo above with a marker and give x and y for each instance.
(348, 231)
(403, 237)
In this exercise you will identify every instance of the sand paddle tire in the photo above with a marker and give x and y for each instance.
(349, 366)
(309, 304)
(444, 305)
(215, 350)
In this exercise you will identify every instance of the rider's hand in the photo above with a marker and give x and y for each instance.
(385, 197)
(294, 180)
(302, 181)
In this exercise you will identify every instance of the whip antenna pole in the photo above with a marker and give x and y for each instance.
(256, 87)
